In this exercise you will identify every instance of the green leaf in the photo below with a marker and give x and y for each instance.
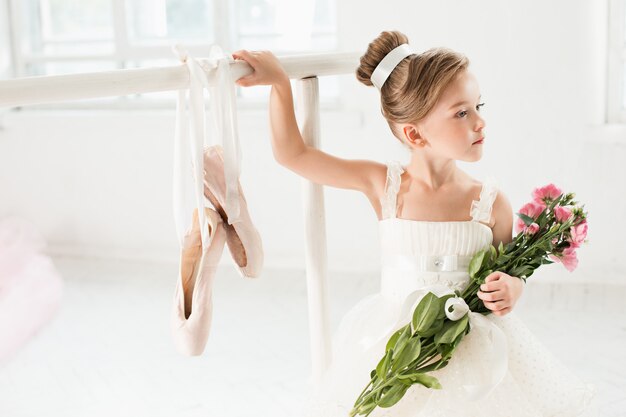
(475, 263)
(510, 247)
(408, 355)
(383, 365)
(461, 335)
(484, 275)
(493, 253)
(527, 220)
(402, 341)
(426, 312)
(426, 380)
(392, 396)
(502, 260)
(437, 325)
(451, 329)
(446, 350)
(406, 382)
(394, 338)
(421, 378)
(500, 249)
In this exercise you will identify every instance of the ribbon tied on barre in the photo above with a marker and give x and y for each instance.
(214, 74)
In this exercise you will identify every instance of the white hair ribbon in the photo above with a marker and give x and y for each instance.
(386, 66)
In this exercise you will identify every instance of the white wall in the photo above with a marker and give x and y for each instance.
(99, 182)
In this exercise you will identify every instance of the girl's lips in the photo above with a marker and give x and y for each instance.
(478, 142)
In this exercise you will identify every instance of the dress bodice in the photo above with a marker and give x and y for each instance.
(417, 253)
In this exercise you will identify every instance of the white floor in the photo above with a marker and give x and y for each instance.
(108, 352)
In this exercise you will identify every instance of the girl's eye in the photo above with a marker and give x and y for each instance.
(463, 113)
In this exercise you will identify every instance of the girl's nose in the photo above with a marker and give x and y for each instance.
(480, 123)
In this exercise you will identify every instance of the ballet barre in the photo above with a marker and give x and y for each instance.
(304, 68)
(59, 88)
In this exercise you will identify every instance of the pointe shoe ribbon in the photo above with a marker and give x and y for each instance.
(213, 74)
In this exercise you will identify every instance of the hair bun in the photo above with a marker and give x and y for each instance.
(376, 51)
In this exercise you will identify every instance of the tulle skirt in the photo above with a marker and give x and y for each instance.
(30, 286)
(532, 382)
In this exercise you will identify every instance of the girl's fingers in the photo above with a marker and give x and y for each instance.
(247, 57)
(244, 56)
(491, 281)
(494, 276)
(492, 286)
(240, 53)
(503, 311)
(498, 305)
(491, 296)
(245, 81)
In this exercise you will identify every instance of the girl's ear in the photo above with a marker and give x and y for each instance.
(412, 135)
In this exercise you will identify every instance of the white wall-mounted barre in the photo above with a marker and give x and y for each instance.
(304, 68)
(58, 88)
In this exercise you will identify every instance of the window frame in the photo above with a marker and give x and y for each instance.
(125, 52)
(616, 65)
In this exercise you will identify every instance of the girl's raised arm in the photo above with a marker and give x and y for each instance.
(288, 146)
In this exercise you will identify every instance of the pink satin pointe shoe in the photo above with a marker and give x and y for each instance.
(193, 303)
(242, 238)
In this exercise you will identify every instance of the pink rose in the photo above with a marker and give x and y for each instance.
(532, 209)
(562, 213)
(578, 234)
(547, 192)
(532, 229)
(567, 258)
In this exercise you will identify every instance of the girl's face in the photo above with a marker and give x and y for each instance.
(453, 126)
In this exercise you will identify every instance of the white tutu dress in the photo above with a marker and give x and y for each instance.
(499, 369)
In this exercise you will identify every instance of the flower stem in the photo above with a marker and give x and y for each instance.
(362, 392)
(428, 357)
(383, 384)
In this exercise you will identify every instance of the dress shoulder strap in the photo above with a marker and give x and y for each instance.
(481, 208)
(392, 185)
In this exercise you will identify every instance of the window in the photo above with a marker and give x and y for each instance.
(51, 37)
(616, 96)
(5, 51)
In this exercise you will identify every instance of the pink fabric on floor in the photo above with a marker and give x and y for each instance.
(30, 286)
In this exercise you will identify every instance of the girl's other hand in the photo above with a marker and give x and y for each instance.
(267, 68)
(500, 292)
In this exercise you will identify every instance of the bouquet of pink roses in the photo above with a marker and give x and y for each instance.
(550, 228)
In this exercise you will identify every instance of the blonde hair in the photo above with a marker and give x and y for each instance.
(417, 82)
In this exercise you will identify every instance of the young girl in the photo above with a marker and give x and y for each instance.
(433, 218)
